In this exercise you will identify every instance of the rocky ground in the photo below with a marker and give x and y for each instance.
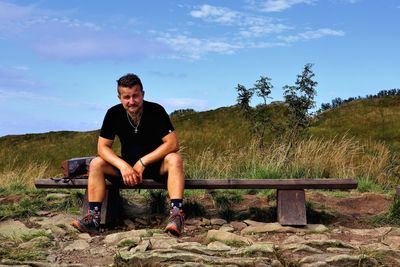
(347, 239)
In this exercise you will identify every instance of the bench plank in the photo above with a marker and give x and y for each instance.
(291, 207)
(287, 184)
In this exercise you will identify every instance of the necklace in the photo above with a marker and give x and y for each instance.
(133, 126)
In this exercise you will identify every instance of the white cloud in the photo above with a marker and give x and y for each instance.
(249, 25)
(215, 14)
(194, 48)
(308, 35)
(280, 5)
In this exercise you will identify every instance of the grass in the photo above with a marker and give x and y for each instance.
(392, 217)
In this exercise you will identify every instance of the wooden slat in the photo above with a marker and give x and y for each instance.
(288, 184)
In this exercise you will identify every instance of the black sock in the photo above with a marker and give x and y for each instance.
(176, 203)
(95, 208)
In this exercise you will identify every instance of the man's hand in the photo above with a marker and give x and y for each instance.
(130, 176)
(139, 169)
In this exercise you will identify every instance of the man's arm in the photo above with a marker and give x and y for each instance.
(170, 144)
(104, 149)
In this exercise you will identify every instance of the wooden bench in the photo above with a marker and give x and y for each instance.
(291, 205)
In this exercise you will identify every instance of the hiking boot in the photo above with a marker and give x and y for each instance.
(175, 222)
(87, 224)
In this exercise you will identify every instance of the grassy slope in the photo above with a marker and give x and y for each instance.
(367, 120)
(218, 129)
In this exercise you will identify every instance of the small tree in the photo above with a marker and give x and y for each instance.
(263, 87)
(300, 99)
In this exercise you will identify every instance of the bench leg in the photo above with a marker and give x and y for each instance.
(291, 207)
(111, 208)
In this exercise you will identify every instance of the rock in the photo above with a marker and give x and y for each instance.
(261, 248)
(226, 229)
(142, 247)
(376, 232)
(205, 222)
(57, 231)
(347, 260)
(129, 224)
(193, 247)
(316, 228)
(226, 237)
(15, 229)
(269, 227)
(328, 243)
(276, 263)
(251, 222)
(135, 235)
(315, 264)
(161, 242)
(35, 242)
(301, 248)
(238, 225)
(392, 241)
(192, 222)
(293, 239)
(167, 257)
(218, 221)
(339, 250)
(53, 196)
(77, 245)
(85, 236)
(218, 246)
(59, 219)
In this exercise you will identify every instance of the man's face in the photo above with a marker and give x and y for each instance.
(131, 98)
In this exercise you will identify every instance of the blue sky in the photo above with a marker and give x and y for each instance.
(60, 59)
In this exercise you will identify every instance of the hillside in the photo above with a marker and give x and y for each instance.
(215, 130)
(368, 120)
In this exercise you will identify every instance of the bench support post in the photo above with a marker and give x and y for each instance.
(291, 207)
(111, 208)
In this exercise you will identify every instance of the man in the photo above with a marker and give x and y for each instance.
(149, 148)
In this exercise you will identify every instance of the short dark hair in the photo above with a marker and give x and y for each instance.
(129, 80)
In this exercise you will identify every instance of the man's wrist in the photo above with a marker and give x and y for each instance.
(141, 162)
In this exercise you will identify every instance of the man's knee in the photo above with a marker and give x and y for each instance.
(97, 164)
(174, 160)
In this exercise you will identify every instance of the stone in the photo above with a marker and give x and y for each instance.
(205, 222)
(251, 222)
(375, 232)
(315, 264)
(263, 248)
(293, 239)
(85, 236)
(77, 245)
(301, 248)
(42, 213)
(218, 221)
(238, 225)
(161, 242)
(392, 241)
(269, 227)
(35, 242)
(218, 246)
(193, 247)
(142, 247)
(347, 260)
(226, 237)
(328, 243)
(136, 235)
(59, 219)
(339, 250)
(128, 223)
(226, 228)
(15, 229)
(192, 222)
(316, 228)
(276, 263)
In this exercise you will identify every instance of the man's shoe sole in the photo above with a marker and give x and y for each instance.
(76, 224)
(172, 230)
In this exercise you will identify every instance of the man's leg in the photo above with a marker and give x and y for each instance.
(173, 166)
(98, 169)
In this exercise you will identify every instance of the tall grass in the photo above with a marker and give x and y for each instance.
(309, 158)
(15, 176)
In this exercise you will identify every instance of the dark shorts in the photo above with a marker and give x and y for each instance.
(151, 172)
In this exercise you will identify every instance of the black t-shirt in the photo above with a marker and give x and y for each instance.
(154, 125)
